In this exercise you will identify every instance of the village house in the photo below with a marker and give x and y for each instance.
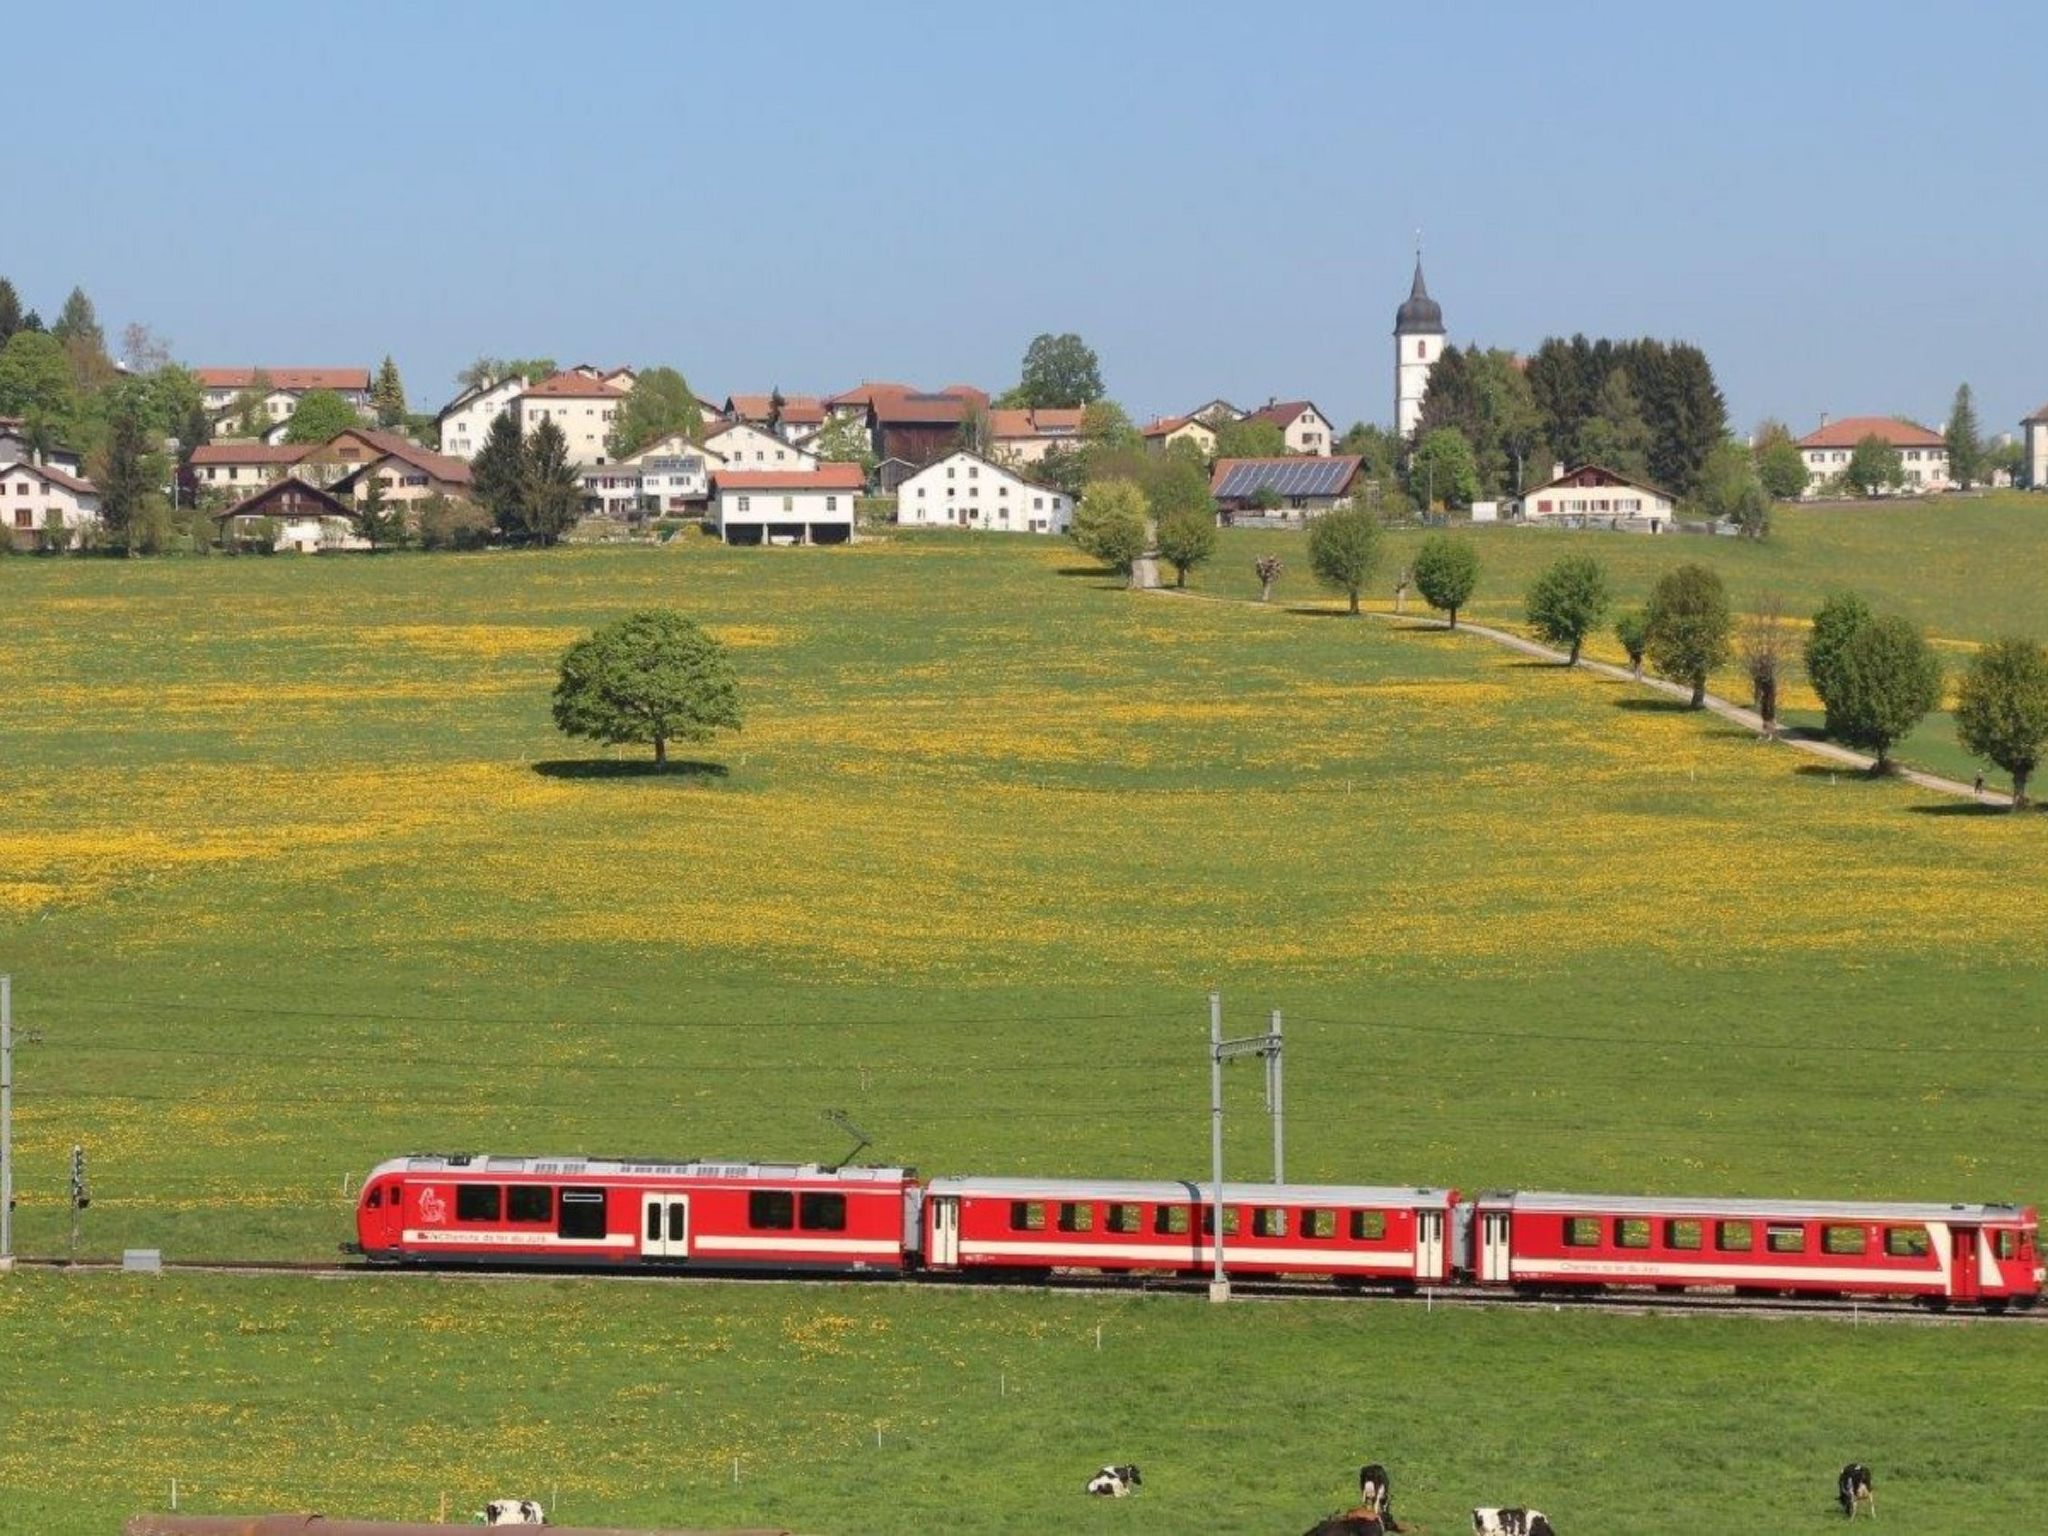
(404, 472)
(40, 503)
(2035, 438)
(918, 428)
(1026, 436)
(241, 465)
(965, 490)
(466, 420)
(1304, 428)
(15, 448)
(786, 506)
(1287, 490)
(743, 446)
(1168, 430)
(1923, 454)
(1215, 413)
(674, 475)
(306, 519)
(583, 407)
(223, 387)
(792, 418)
(1592, 496)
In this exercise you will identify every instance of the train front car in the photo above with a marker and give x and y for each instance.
(585, 1212)
(1967, 1254)
(1346, 1233)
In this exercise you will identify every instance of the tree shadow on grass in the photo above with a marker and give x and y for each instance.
(1322, 612)
(1963, 808)
(1841, 771)
(1659, 704)
(1084, 570)
(628, 768)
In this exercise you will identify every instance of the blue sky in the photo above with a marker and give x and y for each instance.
(1839, 202)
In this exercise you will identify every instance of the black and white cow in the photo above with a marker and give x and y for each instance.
(1115, 1482)
(1853, 1488)
(514, 1512)
(1376, 1490)
(1510, 1522)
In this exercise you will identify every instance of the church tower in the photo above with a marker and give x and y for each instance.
(1418, 343)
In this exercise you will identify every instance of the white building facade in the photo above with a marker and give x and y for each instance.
(964, 490)
(1418, 343)
(581, 407)
(1593, 497)
(41, 503)
(740, 445)
(2034, 437)
(466, 420)
(1923, 454)
(787, 506)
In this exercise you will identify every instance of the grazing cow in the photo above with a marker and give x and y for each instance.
(1510, 1522)
(514, 1512)
(1853, 1488)
(1115, 1482)
(1376, 1491)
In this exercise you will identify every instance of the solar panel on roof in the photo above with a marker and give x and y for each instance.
(1286, 477)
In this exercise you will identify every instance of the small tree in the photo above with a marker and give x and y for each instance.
(127, 480)
(376, 519)
(1446, 571)
(387, 394)
(549, 496)
(498, 475)
(1187, 539)
(1110, 524)
(660, 404)
(653, 676)
(1834, 625)
(845, 439)
(1764, 646)
(1268, 569)
(1568, 601)
(1251, 438)
(1730, 490)
(1781, 468)
(1874, 465)
(2002, 709)
(322, 415)
(1688, 625)
(1443, 469)
(1343, 548)
(1890, 680)
(1632, 630)
(446, 524)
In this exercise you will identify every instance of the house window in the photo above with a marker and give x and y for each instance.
(831, 503)
(743, 503)
(789, 503)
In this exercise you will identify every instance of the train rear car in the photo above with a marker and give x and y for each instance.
(1340, 1232)
(1971, 1254)
(630, 1215)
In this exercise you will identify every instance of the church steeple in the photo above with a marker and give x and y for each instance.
(1418, 343)
(1421, 315)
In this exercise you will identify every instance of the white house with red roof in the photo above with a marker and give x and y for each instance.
(221, 387)
(37, 500)
(466, 420)
(1593, 496)
(1304, 428)
(1922, 453)
(786, 506)
(965, 490)
(1168, 430)
(741, 445)
(1026, 436)
(581, 405)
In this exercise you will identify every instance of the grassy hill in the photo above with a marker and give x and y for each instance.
(295, 874)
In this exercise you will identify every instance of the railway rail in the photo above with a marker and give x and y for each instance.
(1612, 1302)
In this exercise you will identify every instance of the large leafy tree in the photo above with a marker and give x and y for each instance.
(1175, 481)
(321, 416)
(845, 439)
(1058, 371)
(549, 496)
(1446, 569)
(1890, 679)
(1250, 439)
(1615, 435)
(1344, 550)
(1688, 625)
(1674, 385)
(498, 475)
(1442, 469)
(1187, 539)
(35, 378)
(654, 676)
(1568, 602)
(2002, 709)
(1779, 464)
(1109, 523)
(1835, 623)
(1965, 442)
(1874, 465)
(1730, 490)
(126, 481)
(1487, 398)
(660, 405)
(387, 394)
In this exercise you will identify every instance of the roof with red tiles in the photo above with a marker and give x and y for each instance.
(250, 452)
(826, 477)
(1281, 413)
(1851, 430)
(576, 386)
(284, 378)
(55, 476)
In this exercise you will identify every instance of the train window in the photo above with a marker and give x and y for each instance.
(1027, 1216)
(1269, 1221)
(1582, 1232)
(654, 1222)
(1077, 1216)
(820, 1211)
(477, 1202)
(1209, 1221)
(678, 1220)
(1682, 1234)
(1843, 1240)
(1906, 1242)
(529, 1202)
(1170, 1220)
(1734, 1236)
(1318, 1223)
(771, 1210)
(1124, 1218)
(2006, 1243)
(581, 1214)
(1368, 1226)
(1787, 1237)
(1631, 1232)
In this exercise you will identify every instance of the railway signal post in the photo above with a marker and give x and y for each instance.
(1267, 1047)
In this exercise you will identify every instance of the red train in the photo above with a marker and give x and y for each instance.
(790, 1217)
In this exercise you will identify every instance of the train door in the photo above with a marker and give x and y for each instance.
(1963, 1282)
(664, 1226)
(1494, 1263)
(945, 1252)
(1429, 1245)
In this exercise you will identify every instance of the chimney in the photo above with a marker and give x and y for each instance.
(1823, 418)
(1557, 469)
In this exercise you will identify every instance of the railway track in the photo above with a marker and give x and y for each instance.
(1618, 1302)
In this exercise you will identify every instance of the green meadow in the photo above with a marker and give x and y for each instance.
(295, 874)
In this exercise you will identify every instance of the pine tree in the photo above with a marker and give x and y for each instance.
(79, 322)
(548, 492)
(497, 475)
(376, 520)
(127, 480)
(387, 394)
(10, 311)
(1965, 444)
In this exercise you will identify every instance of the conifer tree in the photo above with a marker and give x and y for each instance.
(387, 394)
(1965, 444)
